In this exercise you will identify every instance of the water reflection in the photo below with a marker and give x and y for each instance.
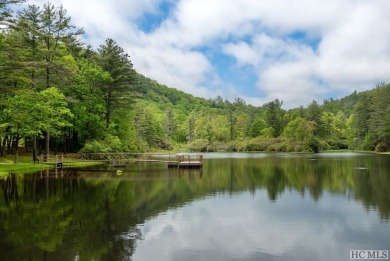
(253, 207)
(250, 227)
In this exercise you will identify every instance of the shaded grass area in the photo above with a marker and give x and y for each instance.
(25, 164)
(6, 168)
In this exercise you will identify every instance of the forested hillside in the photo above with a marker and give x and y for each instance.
(56, 94)
(353, 122)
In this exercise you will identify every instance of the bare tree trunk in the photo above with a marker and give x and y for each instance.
(4, 147)
(16, 143)
(47, 78)
(47, 147)
(9, 143)
(35, 150)
(16, 159)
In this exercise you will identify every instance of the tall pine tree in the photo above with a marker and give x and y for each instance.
(119, 91)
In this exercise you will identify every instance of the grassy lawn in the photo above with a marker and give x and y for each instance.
(6, 168)
(25, 164)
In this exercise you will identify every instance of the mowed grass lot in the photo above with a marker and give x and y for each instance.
(26, 165)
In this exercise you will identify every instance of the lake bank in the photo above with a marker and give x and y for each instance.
(25, 165)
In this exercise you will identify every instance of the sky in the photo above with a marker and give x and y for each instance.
(296, 51)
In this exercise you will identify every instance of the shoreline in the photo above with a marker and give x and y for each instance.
(25, 166)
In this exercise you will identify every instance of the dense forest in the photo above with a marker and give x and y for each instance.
(57, 94)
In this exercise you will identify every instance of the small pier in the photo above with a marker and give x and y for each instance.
(181, 161)
(58, 163)
(187, 162)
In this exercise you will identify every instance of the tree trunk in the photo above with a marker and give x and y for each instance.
(9, 142)
(16, 147)
(4, 147)
(35, 150)
(47, 78)
(108, 109)
(47, 147)
(16, 159)
(108, 118)
(65, 144)
(75, 140)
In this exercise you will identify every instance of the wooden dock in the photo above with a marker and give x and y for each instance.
(187, 162)
(181, 161)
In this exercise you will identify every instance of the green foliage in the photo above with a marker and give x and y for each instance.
(314, 114)
(272, 145)
(118, 92)
(124, 129)
(268, 132)
(31, 113)
(274, 116)
(258, 127)
(296, 129)
(6, 12)
(198, 145)
(53, 111)
(101, 96)
(109, 144)
(382, 147)
(55, 33)
(148, 122)
(370, 124)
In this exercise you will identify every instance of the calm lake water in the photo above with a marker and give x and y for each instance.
(240, 206)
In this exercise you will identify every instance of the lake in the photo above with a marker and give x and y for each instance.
(239, 206)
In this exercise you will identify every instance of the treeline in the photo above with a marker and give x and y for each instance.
(57, 94)
(359, 122)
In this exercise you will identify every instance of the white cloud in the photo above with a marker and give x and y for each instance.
(353, 54)
(345, 44)
(183, 69)
(357, 52)
(239, 226)
(243, 52)
(292, 82)
(286, 69)
(197, 22)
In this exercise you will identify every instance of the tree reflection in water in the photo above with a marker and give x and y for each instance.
(92, 214)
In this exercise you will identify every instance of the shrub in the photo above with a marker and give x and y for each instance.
(278, 147)
(368, 143)
(94, 146)
(109, 144)
(198, 145)
(300, 148)
(218, 146)
(165, 145)
(113, 143)
(241, 145)
(337, 144)
(313, 144)
(232, 146)
(381, 147)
